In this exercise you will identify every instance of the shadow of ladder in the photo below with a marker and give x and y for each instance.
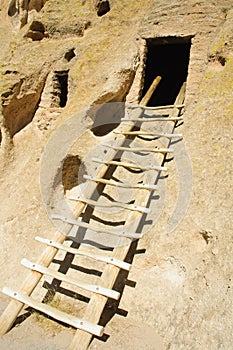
(95, 307)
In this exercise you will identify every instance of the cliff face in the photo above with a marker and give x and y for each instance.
(58, 58)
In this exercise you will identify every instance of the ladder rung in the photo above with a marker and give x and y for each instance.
(120, 184)
(109, 205)
(129, 165)
(147, 133)
(159, 119)
(164, 107)
(56, 314)
(140, 149)
(156, 107)
(96, 229)
(106, 259)
(60, 276)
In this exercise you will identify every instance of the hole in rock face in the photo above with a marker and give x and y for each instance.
(169, 58)
(28, 5)
(69, 55)
(37, 26)
(72, 172)
(36, 5)
(62, 87)
(102, 7)
(222, 60)
(0, 137)
(13, 72)
(12, 9)
(36, 31)
(217, 60)
(20, 107)
(107, 118)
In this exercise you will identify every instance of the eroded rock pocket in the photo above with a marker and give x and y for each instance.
(72, 172)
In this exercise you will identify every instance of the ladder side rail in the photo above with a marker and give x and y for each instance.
(14, 307)
(96, 304)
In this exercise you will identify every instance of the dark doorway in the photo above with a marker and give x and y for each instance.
(102, 7)
(169, 58)
(62, 78)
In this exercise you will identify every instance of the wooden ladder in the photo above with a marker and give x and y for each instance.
(114, 261)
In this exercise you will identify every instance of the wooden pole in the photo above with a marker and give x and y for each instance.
(97, 303)
(13, 309)
(150, 92)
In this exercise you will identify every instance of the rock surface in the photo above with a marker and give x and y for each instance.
(183, 293)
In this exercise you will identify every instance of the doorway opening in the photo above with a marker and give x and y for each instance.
(169, 58)
(61, 85)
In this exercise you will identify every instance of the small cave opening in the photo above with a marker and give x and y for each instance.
(70, 54)
(20, 104)
(222, 60)
(102, 7)
(219, 59)
(36, 31)
(72, 172)
(62, 81)
(36, 5)
(15, 5)
(12, 9)
(169, 58)
(107, 117)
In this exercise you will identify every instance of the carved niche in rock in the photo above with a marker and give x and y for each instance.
(36, 31)
(101, 6)
(21, 8)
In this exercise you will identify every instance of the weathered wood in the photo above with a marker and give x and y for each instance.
(61, 277)
(141, 149)
(96, 304)
(15, 306)
(56, 314)
(120, 184)
(106, 259)
(150, 92)
(120, 233)
(130, 165)
(132, 207)
(148, 133)
(157, 108)
(157, 119)
(164, 107)
(11, 312)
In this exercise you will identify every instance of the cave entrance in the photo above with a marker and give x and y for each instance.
(62, 87)
(169, 58)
